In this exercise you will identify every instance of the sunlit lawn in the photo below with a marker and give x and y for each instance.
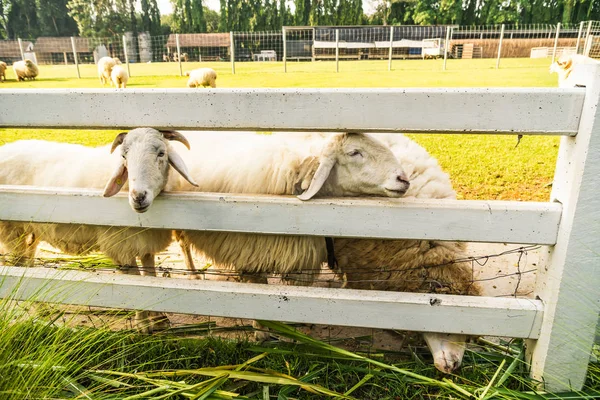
(481, 166)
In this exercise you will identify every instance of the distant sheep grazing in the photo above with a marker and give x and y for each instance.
(105, 66)
(202, 77)
(25, 69)
(564, 67)
(3, 67)
(119, 76)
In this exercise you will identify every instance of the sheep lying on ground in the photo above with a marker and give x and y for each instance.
(119, 76)
(564, 67)
(25, 69)
(144, 160)
(202, 77)
(105, 66)
(3, 67)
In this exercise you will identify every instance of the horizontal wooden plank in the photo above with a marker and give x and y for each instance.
(480, 110)
(475, 221)
(389, 310)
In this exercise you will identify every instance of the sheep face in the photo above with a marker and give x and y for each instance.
(447, 349)
(146, 157)
(353, 164)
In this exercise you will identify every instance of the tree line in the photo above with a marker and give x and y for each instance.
(101, 18)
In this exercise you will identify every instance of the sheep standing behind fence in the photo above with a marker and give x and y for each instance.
(144, 159)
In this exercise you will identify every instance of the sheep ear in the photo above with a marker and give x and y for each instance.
(174, 135)
(568, 64)
(116, 182)
(319, 179)
(118, 141)
(177, 162)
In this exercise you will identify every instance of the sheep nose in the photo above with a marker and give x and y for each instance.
(402, 178)
(138, 197)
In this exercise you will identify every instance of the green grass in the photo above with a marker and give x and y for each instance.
(481, 166)
(42, 358)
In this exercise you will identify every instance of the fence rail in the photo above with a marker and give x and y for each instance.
(561, 323)
(497, 221)
(532, 111)
(385, 43)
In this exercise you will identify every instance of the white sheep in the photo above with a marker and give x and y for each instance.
(425, 266)
(349, 164)
(359, 260)
(144, 160)
(202, 77)
(3, 67)
(119, 76)
(25, 69)
(105, 66)
(565, 67)
(340, 165)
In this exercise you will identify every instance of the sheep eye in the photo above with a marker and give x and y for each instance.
(355, 153)
(161, 153)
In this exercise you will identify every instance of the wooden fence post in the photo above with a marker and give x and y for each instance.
(500, 47)
(579, 37)
(447, 44)
(337, 50)
(75, 56)
(285, 49)
(178, 53)
(569, 283)
(556, 41)
(232, 51)
(391, 48)
(125, 52)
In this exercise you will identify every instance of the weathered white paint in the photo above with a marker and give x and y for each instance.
(497, 110)
(569, 283)
(489, 221)
(471, 315)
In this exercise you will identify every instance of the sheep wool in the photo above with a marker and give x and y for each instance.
(276, 164)
(3, 67)
(411, 265)
(564, 67)
(105, 66)
(25, 69)
(42, 163)
(202, 77)
(119, 77)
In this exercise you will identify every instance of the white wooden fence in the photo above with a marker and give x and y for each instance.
(560, 322)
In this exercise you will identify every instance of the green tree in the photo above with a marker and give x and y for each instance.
(212, 20)
(22, 19)
(188, 16)
(54, 18)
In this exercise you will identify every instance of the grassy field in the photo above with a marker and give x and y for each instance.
(481, 167)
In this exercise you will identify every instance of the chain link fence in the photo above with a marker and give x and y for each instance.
(336, 48)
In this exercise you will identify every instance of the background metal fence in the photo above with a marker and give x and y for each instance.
(314, 44)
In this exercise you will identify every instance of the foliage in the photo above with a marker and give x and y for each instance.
(188, 16)
(477, 12)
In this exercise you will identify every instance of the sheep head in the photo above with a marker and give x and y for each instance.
(353, 164)
(146, 154)
(447, 349)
